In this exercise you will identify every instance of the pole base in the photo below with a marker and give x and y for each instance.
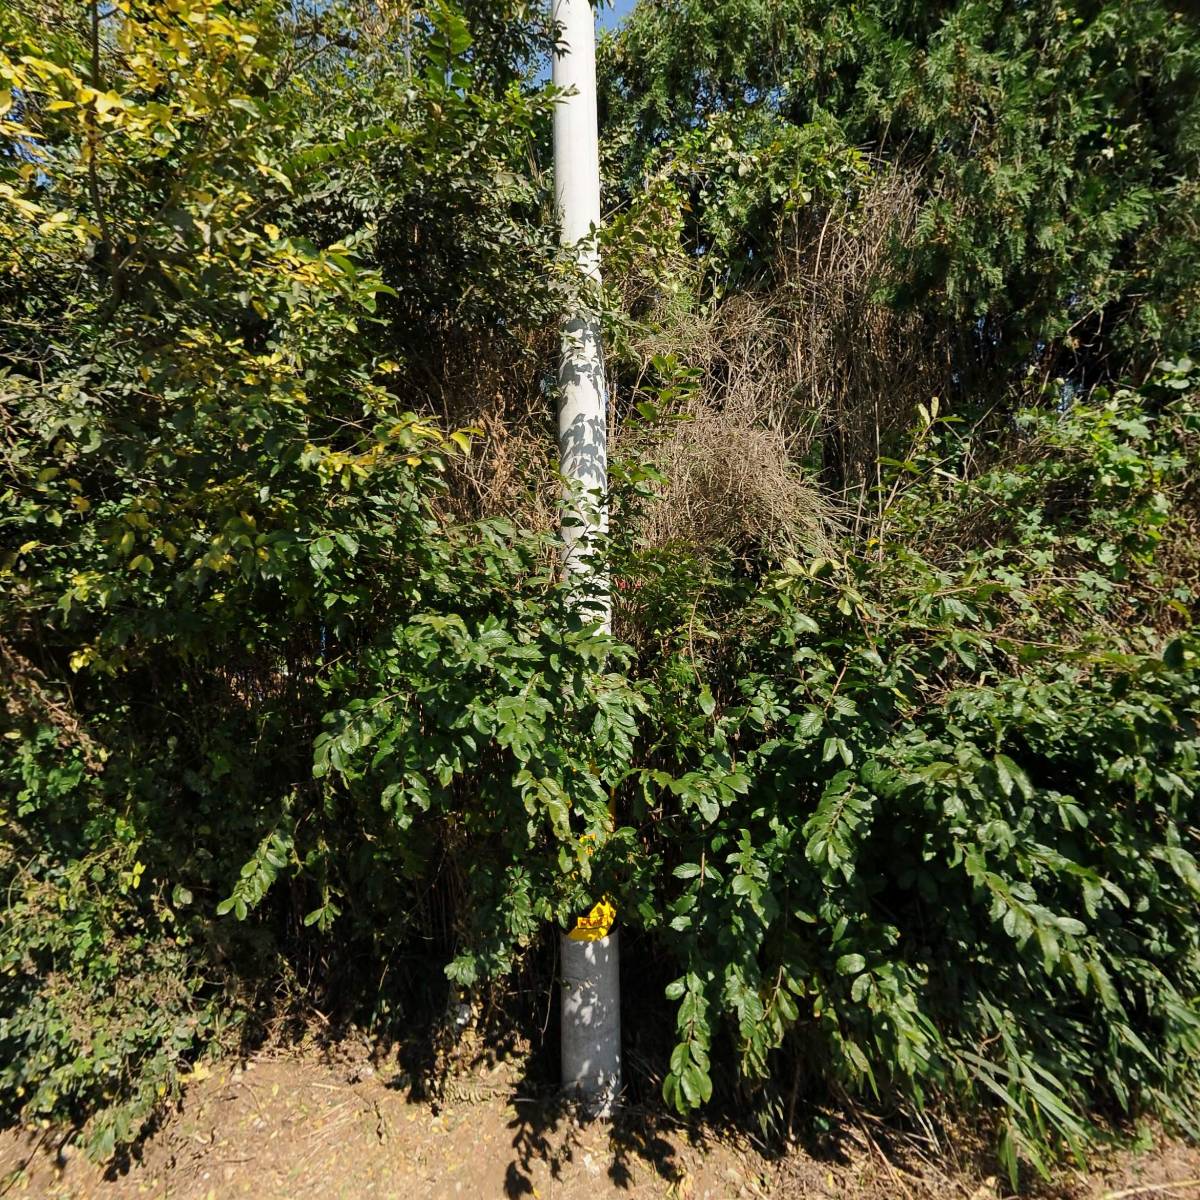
(591, 1022)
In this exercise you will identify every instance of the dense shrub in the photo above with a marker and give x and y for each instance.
(214, 507)
(1056, 145)
(912, 815)
(960, 854)
(102, 988)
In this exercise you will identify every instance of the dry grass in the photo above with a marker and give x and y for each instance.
(732, 482)
(857, 368)
(497, 385)
(30, 696)
(801, 386)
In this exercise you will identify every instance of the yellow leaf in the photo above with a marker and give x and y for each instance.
(81, 658)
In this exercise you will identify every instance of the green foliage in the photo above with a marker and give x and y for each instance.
(963, 853)
(495, 691)
(101, 991)
(218, 513)
(1055, 147)
(920, 814)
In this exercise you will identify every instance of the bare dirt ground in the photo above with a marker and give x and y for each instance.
(310, 1124)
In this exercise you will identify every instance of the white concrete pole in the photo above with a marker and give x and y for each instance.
(583, 393)
(591, 996)
(591, 1021)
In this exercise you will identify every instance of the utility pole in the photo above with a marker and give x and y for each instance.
(591, 997)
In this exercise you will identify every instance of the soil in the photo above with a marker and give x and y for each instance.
(331, 1124)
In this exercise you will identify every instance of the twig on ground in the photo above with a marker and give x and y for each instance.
(1148, 1189)
(19, 1171)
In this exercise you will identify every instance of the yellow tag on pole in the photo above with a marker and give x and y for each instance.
(597, 924)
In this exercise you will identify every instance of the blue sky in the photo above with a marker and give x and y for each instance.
(612, 13)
